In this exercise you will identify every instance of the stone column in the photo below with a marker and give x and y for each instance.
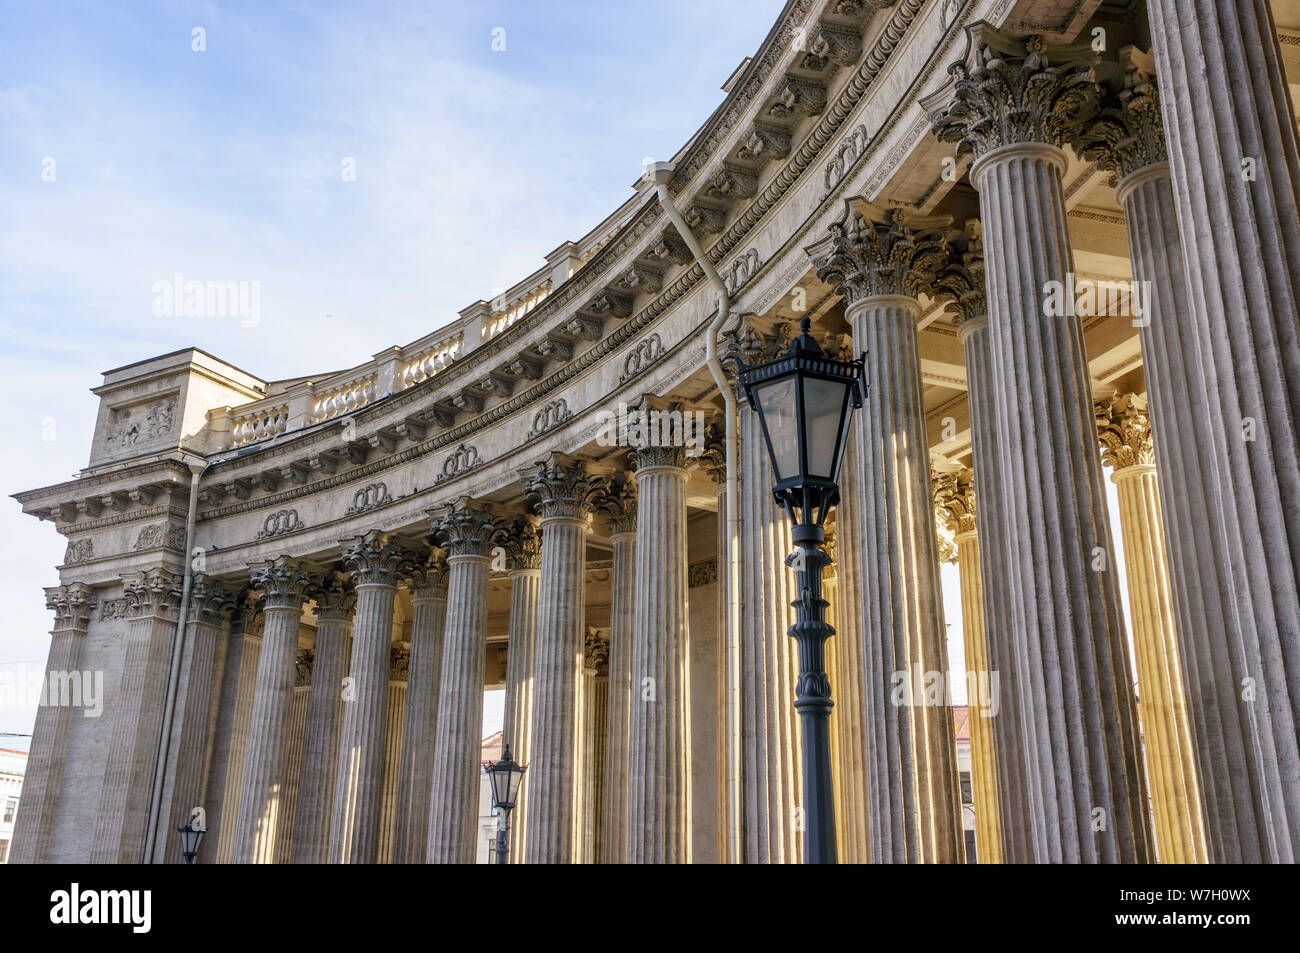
(294, 750)
(467, 529)
(960, 282)
(524, 546)
(595, 724)
(618, 502)
(189, 748)
(773, 791)
(879, 266)
(394, 734)
(234, 716)
(564, 492)
(1010, 104)
(336, 601)
(72, 605)
(377, 561)
(955, 500)
(420, 728)
(1236, 176)
(659, 736)
(285, 583)
(1171, 767)
(1196, 429)
(153, 599)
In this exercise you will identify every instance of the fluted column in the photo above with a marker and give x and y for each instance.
(879, 266)
(294, 750)
(394, 736)
(955, 501)
(377, 562)
(1171, 767)
(188, 750)
(524, 546)
(234, 718)
(420, 728)
(466, 529)
(153, 599)
(336, 601)
(285, 583)
(659, 738)
(1236, 182)
(595, 704)
(1009, 105)
(72, 605)
(618, 502)
(564, 493)
(1196, 427)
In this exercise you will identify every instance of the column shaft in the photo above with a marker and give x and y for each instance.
(420, 729)
(517, 723)
(623, 581)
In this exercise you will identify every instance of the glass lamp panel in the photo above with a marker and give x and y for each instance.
(516, 776)
(846, 422)
(777, 405)
(823, 406)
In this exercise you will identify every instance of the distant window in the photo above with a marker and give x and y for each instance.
(4, 852)
(966, 796)
(970, 848)
(11, 808)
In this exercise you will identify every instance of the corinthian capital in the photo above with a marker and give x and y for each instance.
(595, 651)
(429, 576)
(1012, 91)
(377, 558)
(211, 600)
(336, 597)
(562, 486)
(155, 592)
(954, 501)
(285, 582)
(467, 527)
(960, 279)
(71, 605)
(523, 544)
(1127, 133)
(1125, 432)
(888, 253)
(616, 498)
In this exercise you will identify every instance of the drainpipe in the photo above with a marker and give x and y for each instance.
(197, 469)
(662, 172)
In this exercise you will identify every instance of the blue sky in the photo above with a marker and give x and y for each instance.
(225, 165)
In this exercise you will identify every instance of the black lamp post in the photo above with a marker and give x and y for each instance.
(805, 401)
(505, 776)
(191, 836)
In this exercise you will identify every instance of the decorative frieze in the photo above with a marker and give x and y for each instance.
(553, 414)
(648, 350)
(78, 551)
(368, 497)
(741, 271)
(133, 425)
(460, 461)
(279, 523)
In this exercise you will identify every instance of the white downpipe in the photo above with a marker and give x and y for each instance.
(178, 647)
(662, 172)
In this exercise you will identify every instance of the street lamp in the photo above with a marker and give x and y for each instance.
(505, 776)
(190, 838)
(805, 402)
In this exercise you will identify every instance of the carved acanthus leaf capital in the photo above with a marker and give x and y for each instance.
(302, 666)
(960, 280)
(1015, 91)
(595, 655)
(616, 498)
(428, 576)
(378, 558)
(1124, 429)
(1127, 133)
(523, 543)
(72, 605)
(562, 486)
(714, 457)
(863, 257)
(211, 600)
(336, 597)
(399, 662)
(954, 502)
(466, 527)
(154, 592)
(285, 582)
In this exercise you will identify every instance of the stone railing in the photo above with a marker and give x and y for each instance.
(260, 421)
(334, 400)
